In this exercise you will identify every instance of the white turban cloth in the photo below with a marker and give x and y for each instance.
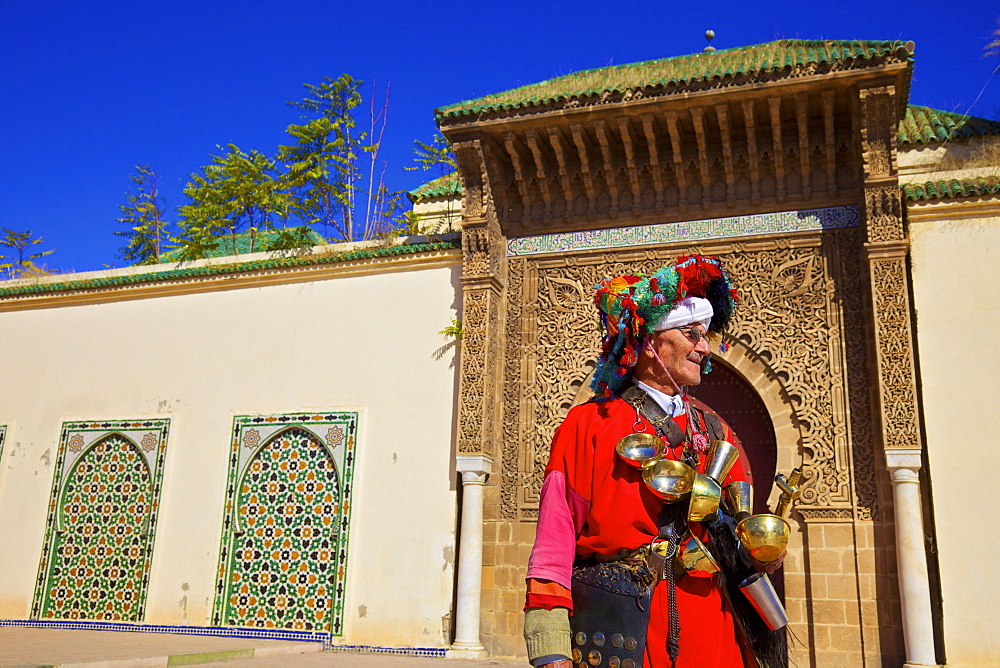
(688, 311)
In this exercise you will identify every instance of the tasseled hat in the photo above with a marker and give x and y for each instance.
(631, 306)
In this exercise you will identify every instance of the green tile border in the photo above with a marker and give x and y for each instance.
(92, 432)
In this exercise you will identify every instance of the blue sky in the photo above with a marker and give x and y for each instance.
(90, 89)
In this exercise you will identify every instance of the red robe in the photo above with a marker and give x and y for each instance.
(593, 502)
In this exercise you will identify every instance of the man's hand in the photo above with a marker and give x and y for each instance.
(769, 566)
(562, 663)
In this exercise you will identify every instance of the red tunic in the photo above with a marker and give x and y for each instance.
(593, 502)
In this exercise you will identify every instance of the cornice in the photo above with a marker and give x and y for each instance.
(237, 279)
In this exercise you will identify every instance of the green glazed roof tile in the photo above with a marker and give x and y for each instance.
(443, 186)
(187, 273)
(923, 125)
(953, 188)
(679, 70)
(244, 242)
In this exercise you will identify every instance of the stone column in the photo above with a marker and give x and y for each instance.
(467, 645)
(914, 590)
(897, 408)
(480, 387)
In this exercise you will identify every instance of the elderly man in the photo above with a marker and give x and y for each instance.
(599, 522)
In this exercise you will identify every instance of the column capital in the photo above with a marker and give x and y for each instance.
(899, 459)
(481, 464)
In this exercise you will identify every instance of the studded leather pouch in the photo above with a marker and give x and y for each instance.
(610, 612)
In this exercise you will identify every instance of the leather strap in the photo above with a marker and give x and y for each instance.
(651, 410)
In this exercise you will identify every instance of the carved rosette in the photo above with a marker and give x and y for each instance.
(791, 317)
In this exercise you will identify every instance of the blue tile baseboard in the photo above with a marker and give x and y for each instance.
(226, 632)
(437, 652)
(220, 631)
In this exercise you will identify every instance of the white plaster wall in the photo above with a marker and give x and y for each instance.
(362, 342)
(956, 283)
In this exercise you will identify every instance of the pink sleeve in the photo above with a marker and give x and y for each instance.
(561, 514)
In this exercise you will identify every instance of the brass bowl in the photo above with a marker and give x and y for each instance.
(670, 480)
(705, 497)
(765, 537)
(695, 557)
(640, 449)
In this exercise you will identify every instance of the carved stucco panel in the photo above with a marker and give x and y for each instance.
(884, 213)
(791, 316)
(895, 359)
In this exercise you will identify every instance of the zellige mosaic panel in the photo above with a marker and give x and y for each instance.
(283, 556)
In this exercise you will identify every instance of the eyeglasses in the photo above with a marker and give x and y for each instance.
(693, 333)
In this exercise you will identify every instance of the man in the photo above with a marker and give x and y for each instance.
(595, 507)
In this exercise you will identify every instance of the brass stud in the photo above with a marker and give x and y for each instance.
(577, 655)
(594, 658)
(630, 644)
(614, 662)
(580, 638)
(617, 640)
(628, 663)
(598, 638)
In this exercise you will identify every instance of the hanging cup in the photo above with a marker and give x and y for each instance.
(762, 596)
(739, 497)
(695, 557)
(765, 537)
(669, 479)
(721, 458)
(705, 496)
(640, 449)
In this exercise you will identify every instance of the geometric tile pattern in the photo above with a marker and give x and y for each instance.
(283, 557)
(101, 523)
(829, 218)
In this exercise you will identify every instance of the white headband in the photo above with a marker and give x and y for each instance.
(689, 310)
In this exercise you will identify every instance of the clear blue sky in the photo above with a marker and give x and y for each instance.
(90, 89)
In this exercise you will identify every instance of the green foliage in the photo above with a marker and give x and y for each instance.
(22, 262)
(315, 179)
(237, 191)
(322, 169)
(436, 153)
(453, 330)
(148, 233)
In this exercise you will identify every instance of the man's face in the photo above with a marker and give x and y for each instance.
(680, 353)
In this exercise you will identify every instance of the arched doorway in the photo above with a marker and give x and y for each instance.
(738, 404)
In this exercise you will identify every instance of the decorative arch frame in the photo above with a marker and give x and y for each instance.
(336, 432)
(77, 439)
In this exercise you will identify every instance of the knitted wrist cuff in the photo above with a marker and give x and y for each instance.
(547, 632)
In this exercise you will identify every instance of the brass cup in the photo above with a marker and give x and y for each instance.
(722, 457)
(695, 557)
(739, 496)
(765, 537)
(705, 496)
(640, 449)
(670, 480)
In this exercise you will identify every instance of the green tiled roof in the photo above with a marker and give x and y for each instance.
(222, 269)
(679, 70)
(923, 125)
(953, 188)
(443, 186)
(245, 242)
